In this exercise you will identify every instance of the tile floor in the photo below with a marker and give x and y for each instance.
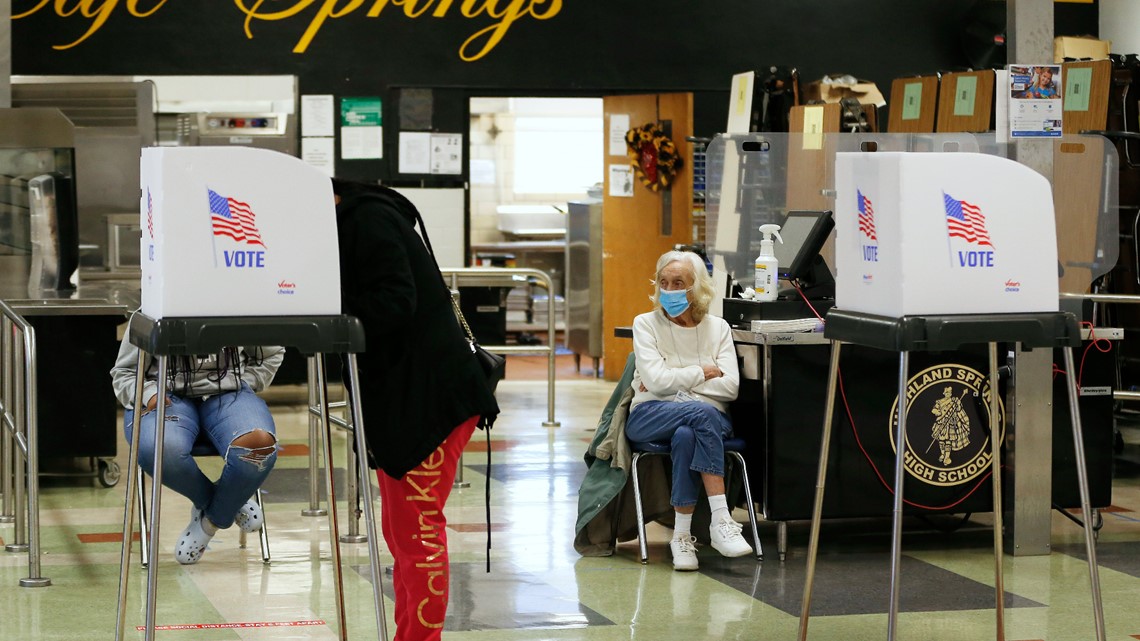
(539, 588)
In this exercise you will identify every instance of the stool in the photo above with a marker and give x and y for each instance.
(187, 336)
(732, 447)
(944, 333)
(202, 447)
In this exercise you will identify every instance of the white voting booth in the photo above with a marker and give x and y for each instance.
(935, 251)
(236, 231)
(960, 233)
(239, 247)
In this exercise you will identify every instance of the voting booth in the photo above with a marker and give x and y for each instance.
(236, 231)
(957, 233)
(935, 252)
(239, 247)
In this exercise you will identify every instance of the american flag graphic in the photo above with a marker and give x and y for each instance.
(149, 214)
(966, 221)
(234, 219)
(866, 217)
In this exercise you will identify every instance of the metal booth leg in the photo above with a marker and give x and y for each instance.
(897, 512)
(330, 493)
(821, 477)
(369, 512)
(128, 507)
(995, 467)
(352, 488)
(314, 508)
(1083, 485)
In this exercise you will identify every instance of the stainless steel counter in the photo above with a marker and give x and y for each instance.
(92, 298)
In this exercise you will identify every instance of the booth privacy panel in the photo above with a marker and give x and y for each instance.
(959, 233)
(236, 231)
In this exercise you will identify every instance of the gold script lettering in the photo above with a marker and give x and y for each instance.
(475, 47)
(505, 13)
(98, 12)
(420, 615)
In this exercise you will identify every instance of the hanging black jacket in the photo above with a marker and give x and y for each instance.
(419, 379)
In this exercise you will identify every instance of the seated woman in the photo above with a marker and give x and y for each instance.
(686, 375)
(214, 398)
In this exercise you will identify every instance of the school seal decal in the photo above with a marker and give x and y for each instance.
(947, 425)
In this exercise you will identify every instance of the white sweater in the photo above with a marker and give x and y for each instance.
(670, 359)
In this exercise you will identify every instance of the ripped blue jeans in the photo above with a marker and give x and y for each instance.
(218, 420)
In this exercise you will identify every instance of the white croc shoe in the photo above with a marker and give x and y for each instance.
(193, 540)
(726, 538)
(250, 517)
(684, 553)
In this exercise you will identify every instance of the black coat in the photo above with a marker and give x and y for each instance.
(419, 379)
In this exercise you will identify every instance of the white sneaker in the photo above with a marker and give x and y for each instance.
(250, 517)
(684, 553)
(193, 541)
(727, 540)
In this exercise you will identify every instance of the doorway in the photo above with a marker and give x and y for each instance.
(529, 158)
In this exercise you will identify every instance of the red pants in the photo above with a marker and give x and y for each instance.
(411, 515)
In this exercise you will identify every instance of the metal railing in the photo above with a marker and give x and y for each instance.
(513, 277)
(483, 276)
(19, 443)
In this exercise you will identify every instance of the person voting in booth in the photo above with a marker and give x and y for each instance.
(686, 376)
(210, 398)
(423, 392)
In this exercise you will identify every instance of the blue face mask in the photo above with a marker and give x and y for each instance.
(674, 302)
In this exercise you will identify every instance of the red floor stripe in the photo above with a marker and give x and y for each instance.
(105, 537)
(478, 443)
(250, 624)
(476, 527)
(293, 449)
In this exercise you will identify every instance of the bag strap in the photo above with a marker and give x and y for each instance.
(471, 339)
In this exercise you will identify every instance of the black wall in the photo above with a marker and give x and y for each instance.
(580, 47)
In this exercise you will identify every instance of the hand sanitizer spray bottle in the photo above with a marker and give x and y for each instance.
(767, 285)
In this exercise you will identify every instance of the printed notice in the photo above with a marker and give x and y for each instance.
(317, 116)
(621, 181)
(912, 101)
(813, 127)
(1077, 84)
(319, 153)
(446, 153)
(1034, 101)
(619, 125)
(361, 133)
(965, 91)
(415, 152)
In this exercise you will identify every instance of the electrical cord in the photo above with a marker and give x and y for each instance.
(859, 441)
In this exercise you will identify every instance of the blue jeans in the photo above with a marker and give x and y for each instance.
(219, 420)
(696, 432)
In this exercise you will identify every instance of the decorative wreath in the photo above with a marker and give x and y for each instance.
(653, 156)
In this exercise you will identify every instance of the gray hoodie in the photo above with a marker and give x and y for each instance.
(201, 375)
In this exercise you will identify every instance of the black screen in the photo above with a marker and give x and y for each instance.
(804, 233)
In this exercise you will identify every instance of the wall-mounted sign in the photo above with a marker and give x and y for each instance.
(361, 133)
(1034, 101)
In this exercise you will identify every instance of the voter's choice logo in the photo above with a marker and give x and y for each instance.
(235, 223)
(869, 240)
(947, 425)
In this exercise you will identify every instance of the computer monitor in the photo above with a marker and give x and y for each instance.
(804, 233)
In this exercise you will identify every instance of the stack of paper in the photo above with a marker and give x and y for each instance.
(788, 325)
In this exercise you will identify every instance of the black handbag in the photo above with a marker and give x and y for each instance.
(494, 365)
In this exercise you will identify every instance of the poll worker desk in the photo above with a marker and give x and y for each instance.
(782, 401)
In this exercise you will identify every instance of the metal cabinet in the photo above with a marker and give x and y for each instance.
(584, 280)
